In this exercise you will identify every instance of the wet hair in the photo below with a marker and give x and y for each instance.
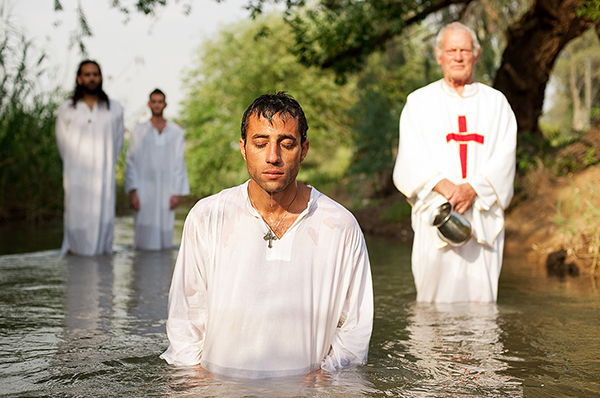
(78, 92)
(158, 91)
(269, 105)
(457, 26)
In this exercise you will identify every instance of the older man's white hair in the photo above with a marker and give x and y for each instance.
(457, 26)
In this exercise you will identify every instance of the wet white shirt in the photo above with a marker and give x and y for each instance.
(469, 139)
(242, 309)
(155, 167)
(89, 142)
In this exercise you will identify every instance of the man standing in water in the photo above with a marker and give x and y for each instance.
(155, 176)
(457, 145)
(89, 134)
(273, 277)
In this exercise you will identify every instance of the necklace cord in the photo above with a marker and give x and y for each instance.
(271, 234)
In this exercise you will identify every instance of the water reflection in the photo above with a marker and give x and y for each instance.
(126, 293)
(457, 347)
(88, 295)
(80, 326)
(186, 382)
(114, 316)
(150, 281)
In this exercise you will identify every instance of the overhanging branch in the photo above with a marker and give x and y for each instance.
(384, 37)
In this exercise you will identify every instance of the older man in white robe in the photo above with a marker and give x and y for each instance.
(155, 176)
(457, 144)
(89, 134)
(273, 277)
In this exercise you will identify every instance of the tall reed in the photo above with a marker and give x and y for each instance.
(30, 166)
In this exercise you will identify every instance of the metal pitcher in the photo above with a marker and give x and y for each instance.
(452, 227)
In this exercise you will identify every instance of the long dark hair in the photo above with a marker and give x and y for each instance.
(78, 92)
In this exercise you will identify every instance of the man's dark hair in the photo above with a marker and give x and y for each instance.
(78, 92)
(158, 91)
(269, 105)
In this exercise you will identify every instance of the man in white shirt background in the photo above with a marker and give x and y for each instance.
(155, 176)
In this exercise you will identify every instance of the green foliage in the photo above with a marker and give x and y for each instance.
(122, 199)
(576, 83)
(578, 214)
(557, 137)
(384, 85)
(342, 35)
(375, 130)
(589, 8)
(385, 82)
(397, 212)
(531, 149)
(590, 157)
(241, 63)
(559, 219)
(30, 167)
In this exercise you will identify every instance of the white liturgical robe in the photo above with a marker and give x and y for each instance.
(155, 167)
(242, 309)
(89, 142)
(469, 139)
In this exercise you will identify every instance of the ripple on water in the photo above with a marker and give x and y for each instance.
(75, 327)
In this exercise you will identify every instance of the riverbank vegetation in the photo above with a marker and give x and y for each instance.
(30, 167)
(352, 101)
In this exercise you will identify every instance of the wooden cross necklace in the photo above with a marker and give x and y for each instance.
(269, 235)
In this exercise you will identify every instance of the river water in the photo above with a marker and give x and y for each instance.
(94, 327)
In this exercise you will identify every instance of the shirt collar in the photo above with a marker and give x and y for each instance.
(314, 194)
(469, 91)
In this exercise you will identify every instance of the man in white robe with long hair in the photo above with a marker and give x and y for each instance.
(457, 145)
(89, 134)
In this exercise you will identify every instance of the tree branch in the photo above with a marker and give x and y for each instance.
(378, 41)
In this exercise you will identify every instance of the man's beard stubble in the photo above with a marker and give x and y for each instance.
(92, 91)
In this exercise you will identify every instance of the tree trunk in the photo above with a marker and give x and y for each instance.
(588, 91)
(577, 122)
(534, 42)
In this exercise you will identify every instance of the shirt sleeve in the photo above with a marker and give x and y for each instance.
(180, 179)
(350, 344)
(494, 183)
(131, 174)
(414, 174)
(119, 130)
(186, 324)
(61, 129)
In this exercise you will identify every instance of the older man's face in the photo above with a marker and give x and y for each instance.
(457, 58)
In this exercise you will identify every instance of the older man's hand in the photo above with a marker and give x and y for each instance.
(460, 196)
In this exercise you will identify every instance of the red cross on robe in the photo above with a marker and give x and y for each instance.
(462, 138)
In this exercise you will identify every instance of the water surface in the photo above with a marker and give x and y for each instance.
(74, 327)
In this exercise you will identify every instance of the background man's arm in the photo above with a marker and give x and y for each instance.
(174, 202)
(131, 175)
(119, 132)
(61, 130)
(180, 184)
(134, 200)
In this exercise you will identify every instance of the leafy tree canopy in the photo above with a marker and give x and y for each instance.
(241, 63)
